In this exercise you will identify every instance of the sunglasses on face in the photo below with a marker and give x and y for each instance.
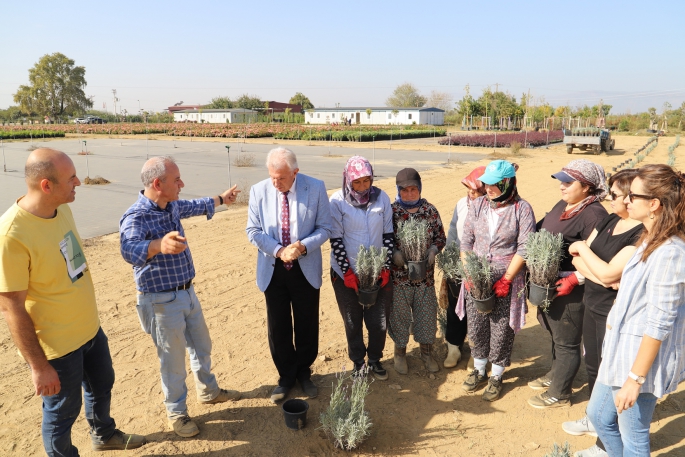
(617, 197)
(632, 196)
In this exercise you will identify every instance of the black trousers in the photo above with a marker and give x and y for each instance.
(356, 316)
(594, 328)
(457, 329)
(564, 321)
(292, 302)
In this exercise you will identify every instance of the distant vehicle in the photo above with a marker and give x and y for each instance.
(80, 120)
(595, 139)
(95, 120)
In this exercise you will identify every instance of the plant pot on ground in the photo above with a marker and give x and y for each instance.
(478, 275)
(345, 420)
(413, 237)
(449, 261)
(544, 252)
(369, 265)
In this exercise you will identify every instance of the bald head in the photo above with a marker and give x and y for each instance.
(44, 163)
(155, 168)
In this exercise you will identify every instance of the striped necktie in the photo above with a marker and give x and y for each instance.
(285, 225)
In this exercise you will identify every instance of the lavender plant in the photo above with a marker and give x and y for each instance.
(477, 272)
(413, 235)
(369, 265)
(345, 421)
(560, 451)
(544, 252)
(449, 261)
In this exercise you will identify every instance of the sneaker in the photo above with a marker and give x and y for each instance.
(184, 426)
(541, 383)
(594, 451)
(545, 400)
(279, 393)
(580, 427)
(378, 371)
(474, 381)
(359, 369)
(224, 396)
(309, 388)
(119, 441)
(493, 389)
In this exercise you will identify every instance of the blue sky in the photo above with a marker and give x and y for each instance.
(353, 52)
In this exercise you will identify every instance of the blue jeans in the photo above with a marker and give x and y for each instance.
(176, 324)
(89, 367)
(625, 434)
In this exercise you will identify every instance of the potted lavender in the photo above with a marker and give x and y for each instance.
(449, 261)
(477, 276)
(369, 265)
(413, 234)
(544, 252)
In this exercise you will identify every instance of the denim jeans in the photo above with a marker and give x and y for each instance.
(176, 324)
(89, 367)
(625, 434)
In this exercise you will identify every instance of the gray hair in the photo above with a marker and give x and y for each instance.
(44, 169)
(279, 157)
(155, 168)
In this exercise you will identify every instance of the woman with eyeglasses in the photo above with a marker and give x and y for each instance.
(601, 260)
(645, 332)
(575, 216)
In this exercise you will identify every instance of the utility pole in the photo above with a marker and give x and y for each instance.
(114, 94)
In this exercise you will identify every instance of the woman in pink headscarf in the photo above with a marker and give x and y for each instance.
(362, 216)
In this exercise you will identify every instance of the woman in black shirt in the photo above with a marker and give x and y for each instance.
(583, 187)
(601, 260)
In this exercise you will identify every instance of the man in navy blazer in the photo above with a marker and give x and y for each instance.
(288, 220)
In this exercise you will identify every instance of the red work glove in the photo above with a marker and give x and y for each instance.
(351, 280)
(502, 287)
(468, 286)
(385, 277)
(566, 285)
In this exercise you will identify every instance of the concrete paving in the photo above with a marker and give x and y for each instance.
(203, 165)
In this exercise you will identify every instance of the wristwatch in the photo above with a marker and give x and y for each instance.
(638, 379)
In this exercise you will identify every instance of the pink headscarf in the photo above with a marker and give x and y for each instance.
(357, 167)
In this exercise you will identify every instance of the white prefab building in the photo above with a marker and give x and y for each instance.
(216, 116)
(384, 115)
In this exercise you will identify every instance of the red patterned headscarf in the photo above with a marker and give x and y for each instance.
(471, 181)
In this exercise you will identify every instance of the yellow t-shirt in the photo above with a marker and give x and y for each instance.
(45, 257)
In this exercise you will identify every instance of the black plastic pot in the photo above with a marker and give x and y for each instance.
(368, 297)
(541, 296)
(455, 287)
(417, 270)
(485, 306)
(295, 413)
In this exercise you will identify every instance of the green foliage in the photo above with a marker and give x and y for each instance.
(11, 115)
(18, 134)
(559, 451)
(55, 88)
(449, 261)
(369, 265)
(623, 125)
(249, 102)
(405, 96)
(544, 252)
(413, 236)
(301, 99)
(360, 134)
(220, 103)
(477, 272)
(345, 421)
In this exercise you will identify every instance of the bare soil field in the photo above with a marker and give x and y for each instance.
(418, 414)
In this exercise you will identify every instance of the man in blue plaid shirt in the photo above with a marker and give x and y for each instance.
(153, 241)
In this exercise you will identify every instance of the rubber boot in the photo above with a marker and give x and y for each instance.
(401, 360)
(427, 357)
(453, 356)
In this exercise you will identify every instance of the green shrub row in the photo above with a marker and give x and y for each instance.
(363, 136)
(20, 134)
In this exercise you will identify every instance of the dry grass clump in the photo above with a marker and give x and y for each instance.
(244, 160)
(98, 180)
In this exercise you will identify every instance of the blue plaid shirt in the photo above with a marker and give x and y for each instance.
(143, 222)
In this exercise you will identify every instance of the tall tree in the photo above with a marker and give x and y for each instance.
(249, 102)
(405, 96)
(55, 89)
(220, 103)
(442, 100)
(302, 100)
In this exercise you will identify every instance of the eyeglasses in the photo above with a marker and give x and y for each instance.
(615, 196)
(633, 196)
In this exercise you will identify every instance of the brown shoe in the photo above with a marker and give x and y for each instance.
(224, 396)
(401, 360)
(427, 357)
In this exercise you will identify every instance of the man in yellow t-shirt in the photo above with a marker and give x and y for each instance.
(48, 301)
